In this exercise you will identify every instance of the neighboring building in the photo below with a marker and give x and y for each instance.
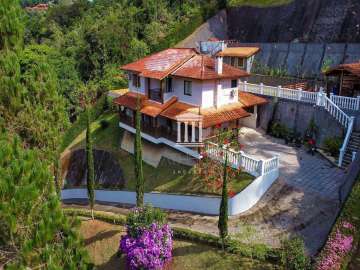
(184, 96)
(348, 83)
(38, 7)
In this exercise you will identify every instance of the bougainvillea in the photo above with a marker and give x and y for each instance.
(149, 246)
(337, 247)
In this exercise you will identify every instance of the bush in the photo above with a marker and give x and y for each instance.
(148, 241)
(293, 255)
(278, 130)
(332, 145)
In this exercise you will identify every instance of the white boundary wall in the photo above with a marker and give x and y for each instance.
(191, 203)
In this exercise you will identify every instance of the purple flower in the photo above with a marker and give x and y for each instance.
(151, 249)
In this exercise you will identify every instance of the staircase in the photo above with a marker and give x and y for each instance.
(353, 146)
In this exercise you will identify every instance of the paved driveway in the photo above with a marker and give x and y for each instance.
(297, 167)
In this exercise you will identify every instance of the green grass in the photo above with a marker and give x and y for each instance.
(102, 242)
(169, 176)
(257, 3)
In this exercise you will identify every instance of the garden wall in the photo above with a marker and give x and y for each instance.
(191, 203)
(297, 115)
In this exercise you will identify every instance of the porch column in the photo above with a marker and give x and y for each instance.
(178, 131)
(193, 131)
(200, 131)
(186, 139)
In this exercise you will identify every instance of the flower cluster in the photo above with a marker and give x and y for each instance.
(151, 249)
(337, 247)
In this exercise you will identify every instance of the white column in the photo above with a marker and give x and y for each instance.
(200, 131)
(186, 139)
(261, 88)
(178, 131)
(193, 131)
(358, 103)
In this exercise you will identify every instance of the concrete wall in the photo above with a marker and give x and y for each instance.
(191, 203)
(297, 116)
(306, 59)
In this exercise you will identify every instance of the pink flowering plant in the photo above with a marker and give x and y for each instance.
(338, 246)
(148, 241)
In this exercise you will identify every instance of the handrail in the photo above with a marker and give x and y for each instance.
(346, 141)
(349, 103)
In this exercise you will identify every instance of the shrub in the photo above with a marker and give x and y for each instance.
(279, 131)
(148, 241)
(104, 124)
(332, 145)
(293, 255)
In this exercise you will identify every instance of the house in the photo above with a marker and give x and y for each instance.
(234, 54)
(184, 97)
(38, 7)
(348, 79)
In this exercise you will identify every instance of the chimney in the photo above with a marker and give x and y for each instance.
(219, 59)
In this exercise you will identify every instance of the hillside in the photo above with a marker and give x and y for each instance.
(307, 21)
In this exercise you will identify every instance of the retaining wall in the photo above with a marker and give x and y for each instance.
(190, 203)
(297, 115)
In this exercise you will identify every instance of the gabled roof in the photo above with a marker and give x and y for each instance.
(183, 63)
(239, 51)
(202, 67)
(353, 68)
(161, 64)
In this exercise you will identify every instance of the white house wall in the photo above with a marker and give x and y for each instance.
(195, 98)
(224, 93)
(208, 94)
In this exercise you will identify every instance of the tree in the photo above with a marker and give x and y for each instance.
(35, 233)
(138, 159)
(90, 177)
(223, 215)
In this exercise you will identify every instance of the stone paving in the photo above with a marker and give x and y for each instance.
(297, 167)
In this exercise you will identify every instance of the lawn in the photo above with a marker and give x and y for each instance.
(169, 176)
(258, 3)
(102, 242)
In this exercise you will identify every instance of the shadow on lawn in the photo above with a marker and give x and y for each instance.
(101, 236)
(191, 249)
(115, 262)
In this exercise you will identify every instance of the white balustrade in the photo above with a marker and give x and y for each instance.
(346, 141)
(238, 159)
(349, 103)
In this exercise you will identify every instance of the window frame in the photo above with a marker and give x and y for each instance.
(189, 83)
(136, 80)
(169, 85)
(242, 61)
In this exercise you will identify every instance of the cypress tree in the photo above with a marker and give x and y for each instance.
(138, 159)
(90, 177)
(223, 215)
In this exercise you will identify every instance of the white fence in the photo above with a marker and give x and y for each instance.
(332, 105)
(210, 205)
(238, 159)
(348, 103)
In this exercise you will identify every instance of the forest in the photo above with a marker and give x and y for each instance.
(53, 64)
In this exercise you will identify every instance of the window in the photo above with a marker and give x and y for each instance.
(136, 80)
(187, 88)
(233, 61)
(241, 62)
(234, 83)
(168, 88)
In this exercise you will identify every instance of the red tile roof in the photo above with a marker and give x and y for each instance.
(161, 64)
(202, 67)
(353, 68)
(177, 109)
(130, 100)
(249, 100)
(183, 63)
(153, 108)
